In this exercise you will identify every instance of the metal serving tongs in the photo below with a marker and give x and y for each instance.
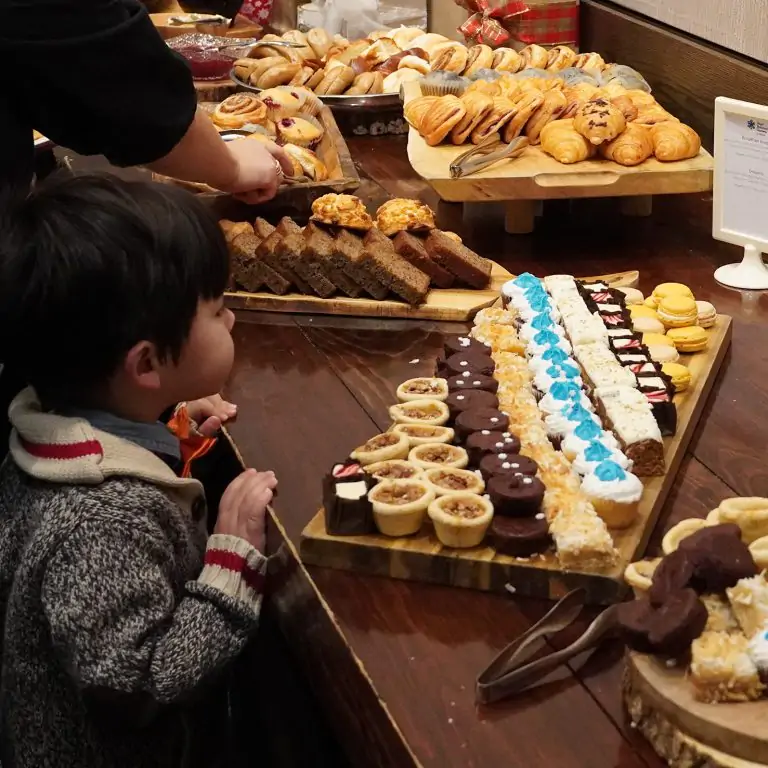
(486, 154)
(510, 672)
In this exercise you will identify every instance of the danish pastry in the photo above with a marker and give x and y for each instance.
(563, 142)
(674, 141)
(449, 57)
(506, 60)
(478, 106)
(503, 111)
(341, 211)
(444, 115)
(534, 57)
(238, 110)
(560, 57)
(416, 110)
(400, 215)
(631, 147)
(590, 61)
(478, 57)
(525, 105)
(551, 107)
(599, 121)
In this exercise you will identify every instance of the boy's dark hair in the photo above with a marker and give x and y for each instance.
(92, 264)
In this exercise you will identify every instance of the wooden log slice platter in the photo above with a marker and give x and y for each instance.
(689, 733)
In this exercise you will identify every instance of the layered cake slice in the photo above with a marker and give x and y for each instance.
(630, 416)
(320, 250)
(659, 391)
(457, 259)
(401, 277)
(347, 256)
(412, 249)
(582, 539)
(601, 366)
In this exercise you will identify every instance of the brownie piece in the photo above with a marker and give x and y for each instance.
(466, 265)
(412, 249)
(249, 271)
(347, 256)
(394, 271)
(291, 250)
(320, 250)
(262, 228)
(267, 252)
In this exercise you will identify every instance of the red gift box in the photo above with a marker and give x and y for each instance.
(489, 19)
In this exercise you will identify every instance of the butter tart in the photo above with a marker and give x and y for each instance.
(438, 455)
(394, 469)
(639, 575)
(420, 388)
(677, 533)
(400, 506)
(418, 434)
(461, 520)
(749, 513)
(448, 480)
(388, 445)
(427, 411)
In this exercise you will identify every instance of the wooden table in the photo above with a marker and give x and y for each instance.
(394, 662)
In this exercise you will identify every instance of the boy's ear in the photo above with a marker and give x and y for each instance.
(142, 365)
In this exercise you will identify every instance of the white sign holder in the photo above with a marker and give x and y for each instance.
(740, 208)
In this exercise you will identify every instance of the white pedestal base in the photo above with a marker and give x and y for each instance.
(751, 274)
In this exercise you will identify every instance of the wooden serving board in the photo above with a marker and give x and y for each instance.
(537, 176)
(423, 558)
(688, 732)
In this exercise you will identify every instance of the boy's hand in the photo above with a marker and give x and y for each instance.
(243, 507)
(209, 413)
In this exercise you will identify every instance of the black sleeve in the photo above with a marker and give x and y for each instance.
(95, 76)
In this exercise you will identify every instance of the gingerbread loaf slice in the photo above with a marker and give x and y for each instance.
(320, 250)
(262, 228)
(268, 253)
(347, 256)
(400, 276)
(250, 272)
(291, 249)
(466, 265)
(412, 249)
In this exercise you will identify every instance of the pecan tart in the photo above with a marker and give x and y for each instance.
(418, 434)
(448, 480)
(461, 519)
(388, 445)
(427, 411)
(418, 389)
(438, 455)
(400, 506)
(394, 469)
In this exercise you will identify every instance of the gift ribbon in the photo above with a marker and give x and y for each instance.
(485, 24)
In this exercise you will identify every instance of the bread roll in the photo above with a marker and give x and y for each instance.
(336, 81)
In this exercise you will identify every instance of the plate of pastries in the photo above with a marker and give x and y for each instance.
(397, 254)
(577, 108)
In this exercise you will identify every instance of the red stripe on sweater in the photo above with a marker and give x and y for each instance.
(63, 451)
(231, 561)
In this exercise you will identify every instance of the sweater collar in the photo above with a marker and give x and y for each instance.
(69, 449)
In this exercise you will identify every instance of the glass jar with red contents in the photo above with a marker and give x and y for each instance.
(207, 64)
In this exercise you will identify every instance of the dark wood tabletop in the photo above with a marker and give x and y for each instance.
(394, 662)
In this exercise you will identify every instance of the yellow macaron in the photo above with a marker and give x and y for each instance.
(690, 339)
(680, 375)
(707, 314)
(651, 302)
(663, 290)
(678, 311)
(657, 340)
(640, 310)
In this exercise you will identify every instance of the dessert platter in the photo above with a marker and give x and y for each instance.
(537, 451)
(396, 264)
(698, 634)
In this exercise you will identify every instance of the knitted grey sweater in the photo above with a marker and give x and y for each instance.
(118, 611)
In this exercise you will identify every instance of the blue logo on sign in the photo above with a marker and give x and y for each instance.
(751, 124)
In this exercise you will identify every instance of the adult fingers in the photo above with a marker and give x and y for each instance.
(282, 157)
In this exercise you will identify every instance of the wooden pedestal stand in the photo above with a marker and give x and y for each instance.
(688, 733)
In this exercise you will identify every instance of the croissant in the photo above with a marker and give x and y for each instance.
(598, 121)
(563, 142)
(478, 106)
(624, 103)
(416, 109)
(550, 109)
(525, 105)
(651, 114)
(503, 111)
(534, 57)
(674, 141)
(631, 147)
(560, 57)
(446, 112)
(640, 98)
(506, 60)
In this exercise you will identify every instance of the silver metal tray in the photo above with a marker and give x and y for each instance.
(376, 101)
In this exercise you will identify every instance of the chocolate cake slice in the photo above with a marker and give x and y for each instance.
(466, 265)
(291, 249)
(412, 249)
(347, 256)
(320, 250)
(249, 271)
(392, 270)
(268, 253)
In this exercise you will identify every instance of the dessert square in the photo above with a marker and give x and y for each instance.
(457, 259)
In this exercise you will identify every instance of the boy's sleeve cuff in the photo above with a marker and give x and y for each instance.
(234, 567)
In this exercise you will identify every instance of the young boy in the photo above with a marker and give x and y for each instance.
(120, 615)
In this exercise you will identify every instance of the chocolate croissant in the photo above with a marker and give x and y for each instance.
(563, 142)
(550, 109)
(599, 121)
(674, 141)
(631, 147)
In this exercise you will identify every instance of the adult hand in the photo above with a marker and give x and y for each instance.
(243, 507)
(259, 170)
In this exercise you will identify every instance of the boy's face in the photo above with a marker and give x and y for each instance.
(206, 357)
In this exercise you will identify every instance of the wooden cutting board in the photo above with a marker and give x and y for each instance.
(423, 558)
(687, 732)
